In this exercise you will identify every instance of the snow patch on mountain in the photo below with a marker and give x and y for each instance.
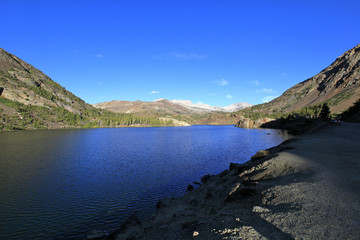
(201, 107)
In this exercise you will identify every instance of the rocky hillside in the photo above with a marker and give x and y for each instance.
(25, 84)
(162, 106)
(338, 85)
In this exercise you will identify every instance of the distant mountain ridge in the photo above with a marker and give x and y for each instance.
(167, 106)
(201, 107)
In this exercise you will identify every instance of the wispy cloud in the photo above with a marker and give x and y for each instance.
(222, 82)
(228, 96)
(265, 90)
(268, 98)
(154, 92)
(99, 55)
(254, 83)
(181, 56)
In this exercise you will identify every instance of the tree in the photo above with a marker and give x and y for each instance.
(325, 112)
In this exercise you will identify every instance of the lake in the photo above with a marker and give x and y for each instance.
(60, 184)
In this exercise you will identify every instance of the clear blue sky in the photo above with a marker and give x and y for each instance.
(214, 52)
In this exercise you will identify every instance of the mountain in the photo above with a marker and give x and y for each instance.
(338, 85)
(29, 99)
(163, 106)
(203, 108)
(25, 84)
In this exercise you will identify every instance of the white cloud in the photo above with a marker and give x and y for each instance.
(228, 96)
(181, 56)
(221, 82)
(265, 90)
(268, 98)
(255, 83)
(99, 55)
(154, 92)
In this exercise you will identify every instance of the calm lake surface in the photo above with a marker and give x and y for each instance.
(60, 184)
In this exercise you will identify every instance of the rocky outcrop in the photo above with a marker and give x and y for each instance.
(248, 123)
(175, 122)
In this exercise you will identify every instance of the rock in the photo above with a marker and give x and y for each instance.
(260, 154)
(205, 178)
(234, 188)
(223, 173)
(195, 233)
(231, 194)
(96, 235)
(160, 204)
(258, 209)
(249, 123)
(190, 188)
(237, 168)
(198, 183)
(236, 192)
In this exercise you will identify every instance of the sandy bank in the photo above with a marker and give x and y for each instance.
(305, 188)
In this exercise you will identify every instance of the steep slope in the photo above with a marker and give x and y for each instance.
(23, 83)
(338, 85)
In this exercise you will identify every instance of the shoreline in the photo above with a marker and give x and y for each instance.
(304, 188)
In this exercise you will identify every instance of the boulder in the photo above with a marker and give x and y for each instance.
(260, 154)
(237, 168)
(237, 191)
(258, 209)
(160, 204)
(205, 178)
(249, 123)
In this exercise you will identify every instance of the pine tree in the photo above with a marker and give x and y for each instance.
(325, 112)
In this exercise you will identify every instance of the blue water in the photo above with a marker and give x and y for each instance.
(60, 184)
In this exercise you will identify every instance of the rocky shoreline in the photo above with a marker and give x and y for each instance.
(305, 188)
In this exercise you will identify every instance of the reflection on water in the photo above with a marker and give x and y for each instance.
(62, 183)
